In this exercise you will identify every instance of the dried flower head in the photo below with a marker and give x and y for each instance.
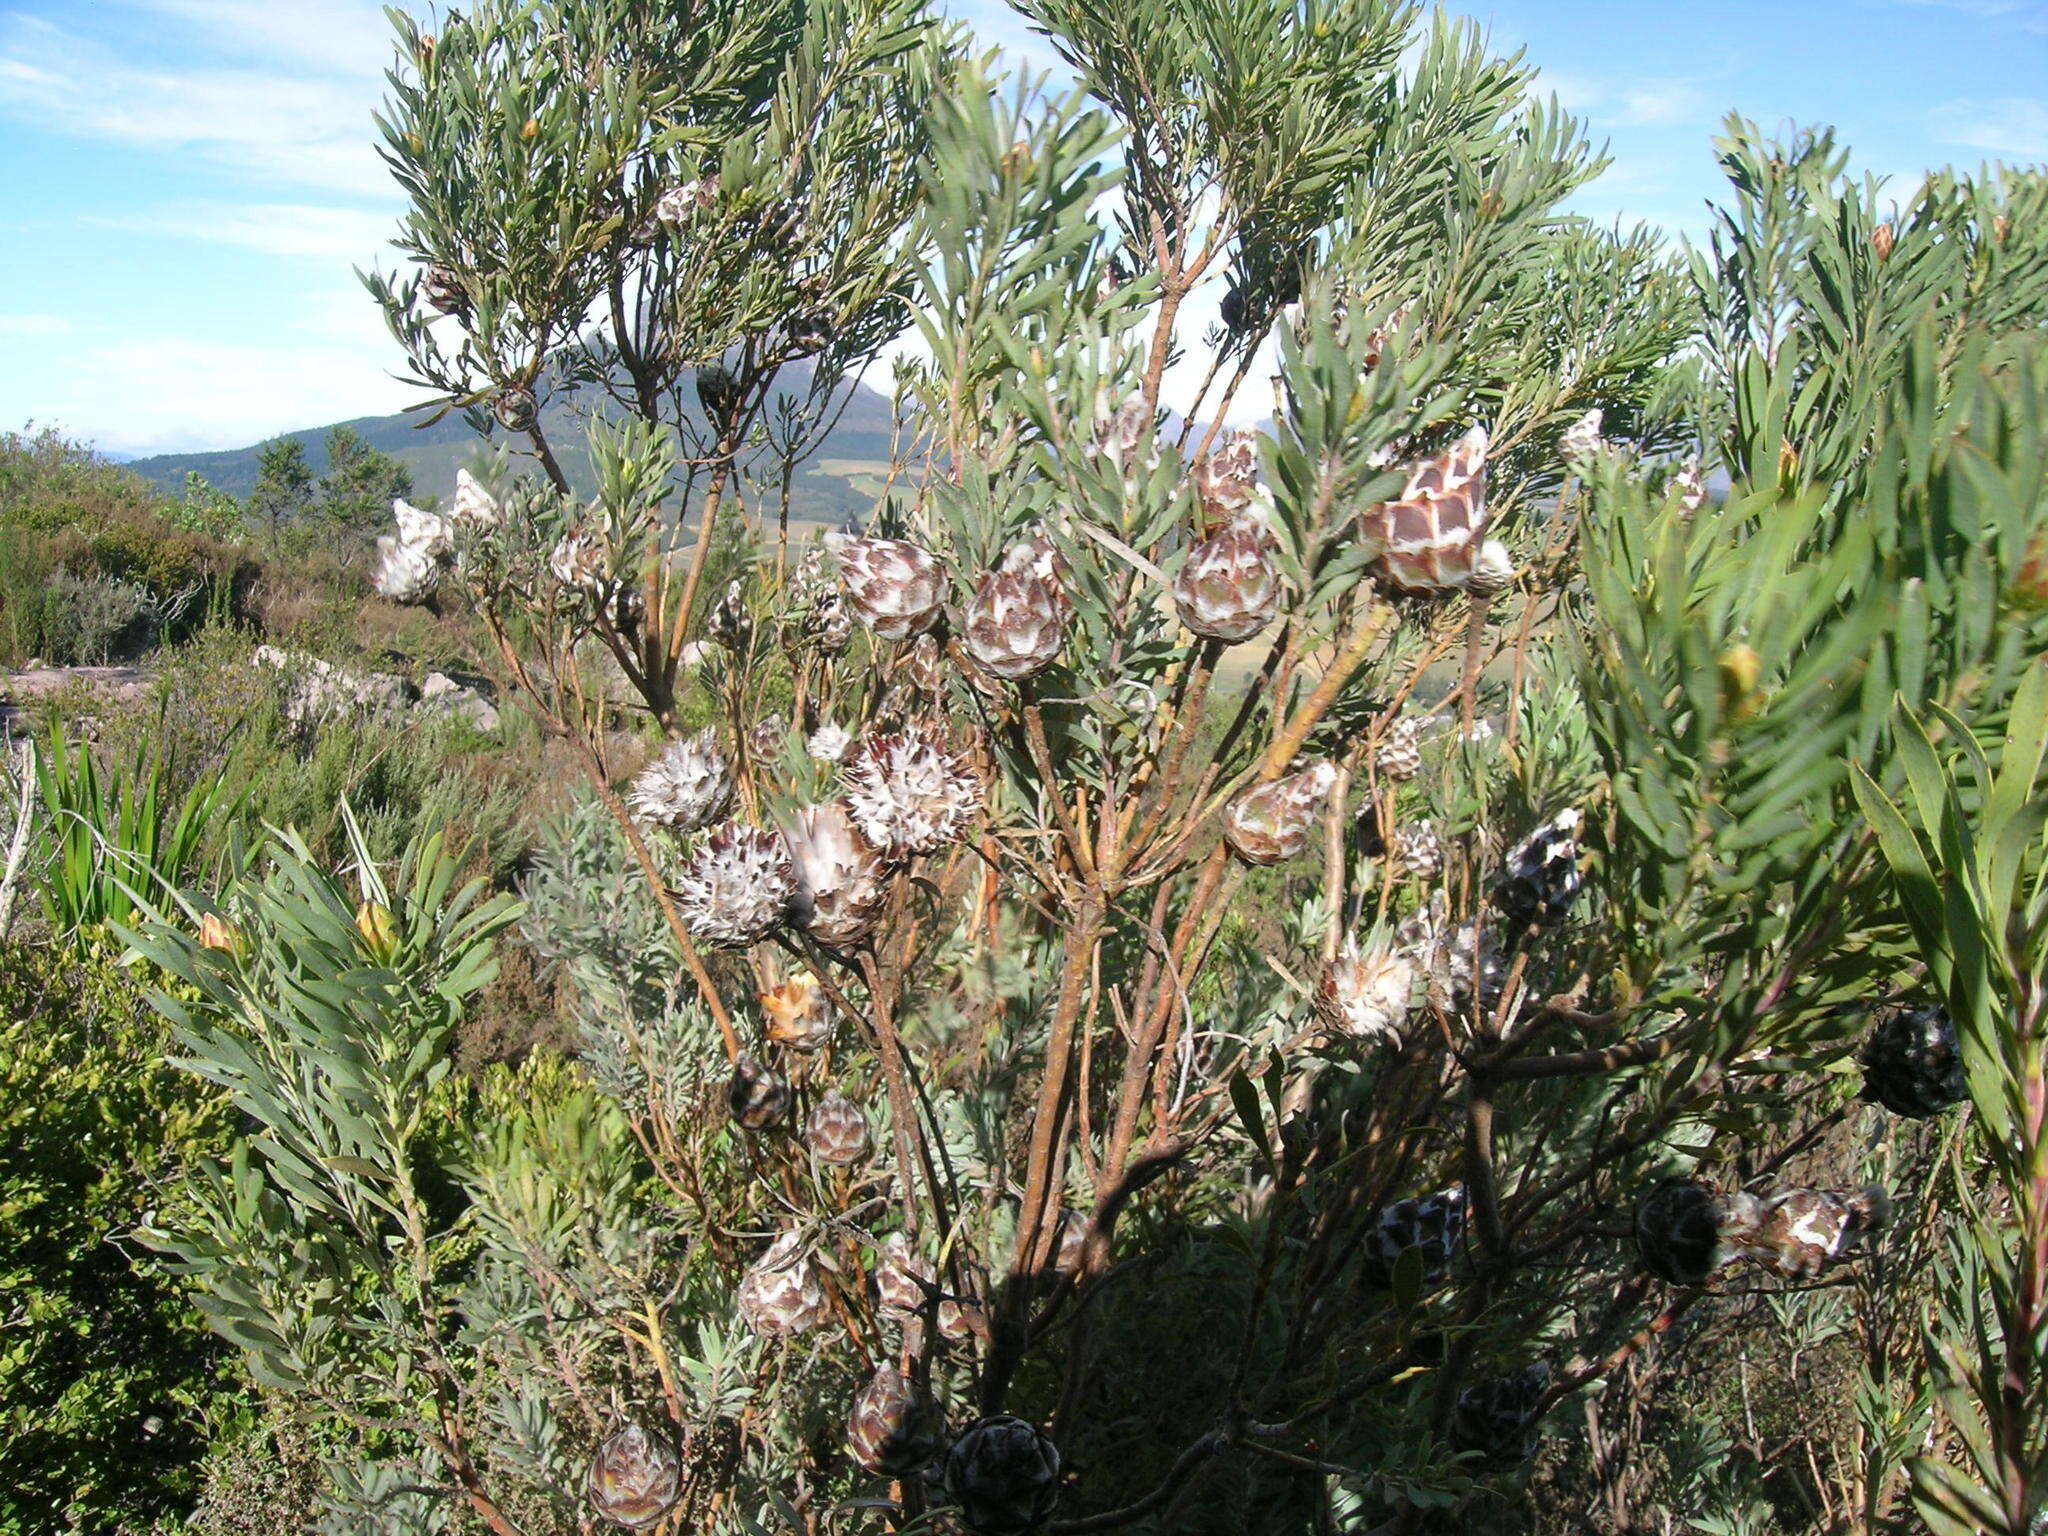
(839, 875)
(685, 787)
(635, 1477)
(908, 792)
(1431, 536)
(736, 887)
(1364, 993)
(796, 1015)
(1229, 587)
(757, 1095)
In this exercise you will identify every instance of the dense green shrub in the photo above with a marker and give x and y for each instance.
(110, 1387)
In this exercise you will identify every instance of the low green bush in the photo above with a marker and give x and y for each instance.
(109, 1385)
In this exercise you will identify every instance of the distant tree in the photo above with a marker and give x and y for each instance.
(284, 483)
(206, 508)
(360, 481)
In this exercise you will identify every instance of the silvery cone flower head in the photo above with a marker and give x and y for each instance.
(1227, 477)
(908, 792)
(473, 506)
(893, 1430)
(578, 560)
(736, 887)
(839, 875)
(829, 742)
(405, 573)
(425, 531)
(1017, 621)
(1271, 823)
(685, 787)
(837, 1131)
(904, 1278)
(1432, 535)
(1364, 993)
(1582, 439)
(635, 1478)
(1229, 587)
(895, 587)
(677, 203)
(1124, 433)
(1005, 1476)
(781, 1293)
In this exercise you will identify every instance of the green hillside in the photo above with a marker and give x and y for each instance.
(833, 485)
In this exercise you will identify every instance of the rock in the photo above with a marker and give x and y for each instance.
(316, 689)
(441, 694)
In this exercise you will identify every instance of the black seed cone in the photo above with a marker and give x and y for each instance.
(1678, 1232)
(1542, 875)
(1434, 1223)
(1005, 1476)
(1497, 1418)
(1913, 1064)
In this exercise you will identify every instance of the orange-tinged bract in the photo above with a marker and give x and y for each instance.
(797, 1015)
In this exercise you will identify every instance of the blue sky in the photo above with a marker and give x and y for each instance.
(186, 185)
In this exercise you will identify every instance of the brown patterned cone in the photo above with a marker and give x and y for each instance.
(895, 587)
(1123, 435)
(442, 288)
(894, 1430)
(796, 1015)
(1017, 620)
(635, 1477)
(1685, 1231)
(516, 409)
(729, 624)
(1882, 242)
(926, 667)
(1430, 537)
(837, 1131)
(1229, 587)
(757, 1095)
(1004, 1474)
(1227, 477)
(1398, 757)
(840, 878)
(1364, 994)
(1416, 851)
(908, 792)
(736, 887)
(904, 1279)
(781, 1294)
(1072, 1244)
(962, 1319)
(1271, 823)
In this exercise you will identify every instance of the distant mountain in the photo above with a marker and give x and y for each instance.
(836, 482)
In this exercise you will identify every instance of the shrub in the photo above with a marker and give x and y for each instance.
(109, 1385)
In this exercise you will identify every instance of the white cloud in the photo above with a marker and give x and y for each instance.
(331, 36)
(2013, 125)
(27, 327)
(271, 123)
(348, 236)
(1652, 102)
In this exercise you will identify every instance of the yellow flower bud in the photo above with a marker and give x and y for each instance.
(374, 923)
(216, 932)
(1740, 669)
